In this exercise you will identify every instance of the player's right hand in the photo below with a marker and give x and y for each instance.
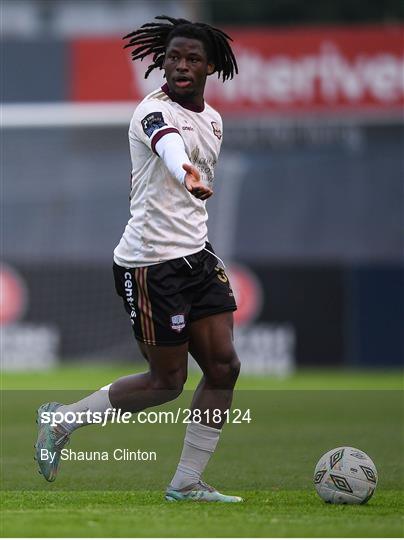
(194, 184)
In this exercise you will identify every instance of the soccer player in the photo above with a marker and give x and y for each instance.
(176, 293)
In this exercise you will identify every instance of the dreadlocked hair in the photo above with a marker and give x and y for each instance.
(153, 39)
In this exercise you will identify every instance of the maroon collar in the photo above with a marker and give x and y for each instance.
(184, 103)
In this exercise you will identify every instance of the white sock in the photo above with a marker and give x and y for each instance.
(199, 444)
(96, 402)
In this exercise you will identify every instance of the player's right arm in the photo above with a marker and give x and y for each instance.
(153, 124)
(171, 149)
(193, 183)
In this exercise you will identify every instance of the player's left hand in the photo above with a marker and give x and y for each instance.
(194, 184)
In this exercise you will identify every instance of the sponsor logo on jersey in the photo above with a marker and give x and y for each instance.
(204, 164)
(178, 322)
(187, 128)
(216, 130)
(151, 122)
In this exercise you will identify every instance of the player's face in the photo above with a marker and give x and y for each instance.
(186, 67)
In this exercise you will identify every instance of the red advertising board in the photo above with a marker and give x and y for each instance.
(311, 69)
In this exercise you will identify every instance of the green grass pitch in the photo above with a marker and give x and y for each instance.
(268, 461)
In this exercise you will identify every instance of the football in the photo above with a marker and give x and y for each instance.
(345, 475)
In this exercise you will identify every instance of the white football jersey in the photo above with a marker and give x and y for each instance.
(166, 221)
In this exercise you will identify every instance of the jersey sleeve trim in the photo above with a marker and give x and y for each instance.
(161, 134)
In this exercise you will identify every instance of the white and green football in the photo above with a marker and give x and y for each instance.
(345, 475)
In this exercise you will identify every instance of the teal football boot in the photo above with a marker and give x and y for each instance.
(50, 442)
(199, 492)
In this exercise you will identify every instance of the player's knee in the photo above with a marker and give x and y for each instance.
(233, 369)
(224, 373)
(171, 383)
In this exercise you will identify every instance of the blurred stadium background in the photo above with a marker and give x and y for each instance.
(309, 203)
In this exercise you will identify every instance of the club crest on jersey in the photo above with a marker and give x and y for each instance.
(151, 122)
(216, 130)
(178, 322)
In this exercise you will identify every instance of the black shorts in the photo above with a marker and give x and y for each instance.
(163, 299)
